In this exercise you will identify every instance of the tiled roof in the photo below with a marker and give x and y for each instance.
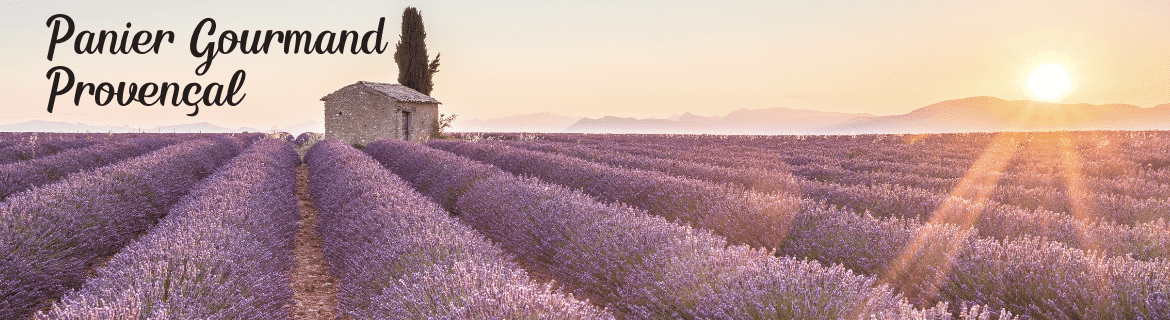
(393, 90)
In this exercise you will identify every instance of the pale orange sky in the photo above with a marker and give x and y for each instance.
(595, 58)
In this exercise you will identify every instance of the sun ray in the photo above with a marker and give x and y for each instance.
(926, 261)
(1081, 208)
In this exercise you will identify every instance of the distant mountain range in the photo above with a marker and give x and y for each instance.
(988, 114)
(311, 126)
(742, 121)
(537, 122)
(975, 114)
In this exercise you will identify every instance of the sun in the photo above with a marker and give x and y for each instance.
(1049, 82)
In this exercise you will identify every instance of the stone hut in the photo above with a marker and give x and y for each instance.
(363, 112)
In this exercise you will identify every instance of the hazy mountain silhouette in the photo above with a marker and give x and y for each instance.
(985, 114)
(632, 125)
(975, 114)
(310, 126)
(536, 122)
(198, 127)
(742, 121)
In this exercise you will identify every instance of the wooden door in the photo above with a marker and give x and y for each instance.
(405, 125)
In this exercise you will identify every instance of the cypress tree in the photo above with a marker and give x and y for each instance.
(411, 54)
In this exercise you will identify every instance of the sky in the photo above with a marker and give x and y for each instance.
(643, 59)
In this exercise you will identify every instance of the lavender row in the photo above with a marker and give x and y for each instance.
(1094, 206)
(759, 219)
(952, 150)
(865, 244)
(307, 137)
(305, 141)
(752, 218)
(1128, 196)
(280, 135)
(1124, 194)
(22, 152)
(1026, 275)
(1109, 199)
(400, 256)
(751, 178)
(244, 140)
(50, 235)
(1144, 241)
(19, 176)
(641, 265)
(223, 252)
(929, 160)
(1046, 164)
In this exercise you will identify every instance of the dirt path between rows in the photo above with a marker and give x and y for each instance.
(314, 288)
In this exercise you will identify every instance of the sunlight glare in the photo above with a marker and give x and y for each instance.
(1049, 82)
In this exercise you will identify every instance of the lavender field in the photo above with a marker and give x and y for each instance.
(1056, 225)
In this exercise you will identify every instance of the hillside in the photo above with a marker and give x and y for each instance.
(985, 114)
(975, 114)
(742, 121)
(536, 122)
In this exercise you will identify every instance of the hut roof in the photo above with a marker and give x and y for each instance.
(393, 90)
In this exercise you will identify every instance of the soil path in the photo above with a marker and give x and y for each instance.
(314, 289)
